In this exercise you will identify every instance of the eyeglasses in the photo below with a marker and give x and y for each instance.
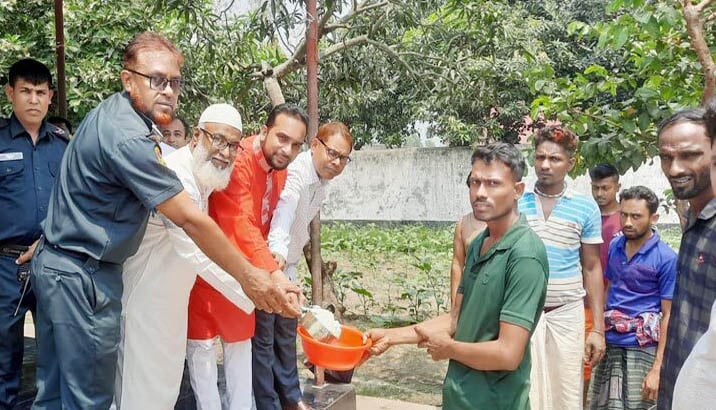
(160, 83)
(333, 154)
(219, 142)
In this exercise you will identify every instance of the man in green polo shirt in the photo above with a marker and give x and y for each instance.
(499, 300)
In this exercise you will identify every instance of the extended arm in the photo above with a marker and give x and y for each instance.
(503, 354)
(257, 283)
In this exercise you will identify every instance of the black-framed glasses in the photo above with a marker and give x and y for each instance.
(219, 142)
(333, 154)
(160, 83)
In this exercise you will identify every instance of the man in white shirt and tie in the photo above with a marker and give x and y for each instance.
(300, 201)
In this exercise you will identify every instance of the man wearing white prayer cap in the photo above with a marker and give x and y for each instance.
(159, 277)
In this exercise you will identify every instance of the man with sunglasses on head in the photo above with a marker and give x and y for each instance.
(301, 199)
(243, 211)
(111, 179)
(160, 276)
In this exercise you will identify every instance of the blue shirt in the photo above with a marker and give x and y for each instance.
(111, 178)
(638, 285)
(27, 173)
(575, 219)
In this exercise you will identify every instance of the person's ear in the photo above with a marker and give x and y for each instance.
(519, 189)
(126, 78)
(653, 219)
(9, 92)
(572, 162)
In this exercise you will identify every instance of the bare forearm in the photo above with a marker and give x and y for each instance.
(661, 346)
(595, 296)
(407, 334)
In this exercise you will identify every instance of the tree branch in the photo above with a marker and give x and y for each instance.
(695, 29)
(701, 6)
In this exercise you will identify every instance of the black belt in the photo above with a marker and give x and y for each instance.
(12, 250)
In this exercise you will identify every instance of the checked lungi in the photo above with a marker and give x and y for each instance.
(617, 379)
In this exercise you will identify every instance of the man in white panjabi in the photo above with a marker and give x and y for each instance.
(159, 277)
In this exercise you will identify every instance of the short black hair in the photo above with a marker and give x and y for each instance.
(186, 127)
(30, 70)
(692, 115)
(56, 119)
(641, 192)
(603, 170)
(710, 119)
(292, 110)
(504, 152)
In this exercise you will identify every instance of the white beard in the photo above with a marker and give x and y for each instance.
(207, 175)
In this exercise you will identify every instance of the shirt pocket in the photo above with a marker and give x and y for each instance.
(641, 279)
(54, 167)
(12, 175)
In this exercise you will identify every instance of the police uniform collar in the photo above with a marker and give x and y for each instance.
(259, 154)
(17, 129)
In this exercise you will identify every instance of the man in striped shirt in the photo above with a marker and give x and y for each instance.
(569, 223)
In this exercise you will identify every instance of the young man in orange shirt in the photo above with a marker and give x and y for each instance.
(243, 211)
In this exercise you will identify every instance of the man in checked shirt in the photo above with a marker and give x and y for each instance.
(685, 152)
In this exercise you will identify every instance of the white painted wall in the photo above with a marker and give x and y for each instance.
(428, 184)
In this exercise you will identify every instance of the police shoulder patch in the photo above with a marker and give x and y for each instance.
(158, 154)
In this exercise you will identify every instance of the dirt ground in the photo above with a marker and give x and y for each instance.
(403, 372)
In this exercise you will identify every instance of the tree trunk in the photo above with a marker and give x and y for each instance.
(328, 268)
(273, 88)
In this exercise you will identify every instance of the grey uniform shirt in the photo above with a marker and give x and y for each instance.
(112, 176)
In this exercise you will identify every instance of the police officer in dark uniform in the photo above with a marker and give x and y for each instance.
(30, 154)
(110, 179)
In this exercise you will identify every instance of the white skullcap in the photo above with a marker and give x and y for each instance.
(222, 114)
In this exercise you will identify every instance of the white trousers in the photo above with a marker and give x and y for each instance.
(153, 328)
(201, 356)
(557, 350)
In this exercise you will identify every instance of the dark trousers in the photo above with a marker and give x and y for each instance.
(275, 375)
(77, 328)
(11, 331)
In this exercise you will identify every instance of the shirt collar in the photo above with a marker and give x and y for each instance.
(259, 154)
(314, 173)
(514, 233)
(17, 130)
(709, 210)
(645, 247)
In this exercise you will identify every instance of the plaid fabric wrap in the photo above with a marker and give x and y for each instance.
(646, 325)
(694, 296)
(616, 381)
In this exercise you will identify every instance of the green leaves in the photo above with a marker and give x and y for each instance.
(646, 70)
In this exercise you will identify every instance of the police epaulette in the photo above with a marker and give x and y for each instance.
(59, 132)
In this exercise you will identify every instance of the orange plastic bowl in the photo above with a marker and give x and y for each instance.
(341, 354)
